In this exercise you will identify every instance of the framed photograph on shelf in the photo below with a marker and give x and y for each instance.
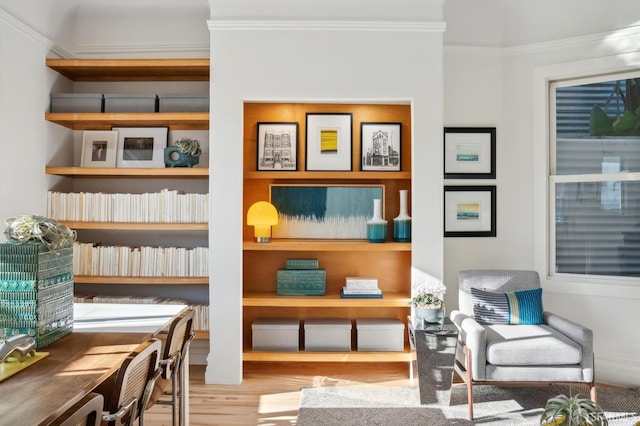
(469, 152)
(277, 146)
(380, 145)
(328, 141)
(141, 146)
(99, 148)
(324, 211)
(469, 211)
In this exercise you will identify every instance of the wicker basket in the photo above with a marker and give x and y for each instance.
(36, 292)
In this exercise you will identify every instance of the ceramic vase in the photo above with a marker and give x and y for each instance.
(402, 223)
(430, 315)
(377, 226)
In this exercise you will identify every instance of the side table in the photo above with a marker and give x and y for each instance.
(435, 346)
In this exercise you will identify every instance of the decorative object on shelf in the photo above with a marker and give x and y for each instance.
(52, 234)
(572, 411)
(187, 153)
(470, 211)
(360, 288)
(329, 141)
(141, 146)
(277, 146)
(301, 277)
(380, 146)
(324, 211)
(469, 152)
(262, 215)
(428, 302)
(99, 148)
(402, 222)
(377, 226)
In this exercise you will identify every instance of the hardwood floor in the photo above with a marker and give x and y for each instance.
(270, 392)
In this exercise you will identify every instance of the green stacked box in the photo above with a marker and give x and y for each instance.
(301, 277)
(36, 292)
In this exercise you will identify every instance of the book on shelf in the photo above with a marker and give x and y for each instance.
(360, 295)
(347, 290)
(361, 283)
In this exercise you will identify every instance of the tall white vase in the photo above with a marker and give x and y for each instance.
(377, 226)
(402, 223)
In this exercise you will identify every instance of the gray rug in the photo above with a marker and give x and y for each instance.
(508, 406)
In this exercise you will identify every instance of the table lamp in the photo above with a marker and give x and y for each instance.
(262, 215)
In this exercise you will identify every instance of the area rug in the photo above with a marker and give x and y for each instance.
(505, 406)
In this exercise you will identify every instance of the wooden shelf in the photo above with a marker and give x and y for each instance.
(106, 120)
(132, 69)
(202, 334)
(91, 279)
(130, 226)
(390, 300)
(353, 356)
(356, 175)
(325, 245)
(125, 172)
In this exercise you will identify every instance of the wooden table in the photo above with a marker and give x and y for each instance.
(78, 362)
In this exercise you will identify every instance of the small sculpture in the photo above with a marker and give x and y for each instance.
(18, 347)
(188, 152)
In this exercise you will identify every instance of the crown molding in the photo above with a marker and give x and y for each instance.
(262, 25)
(34, 35)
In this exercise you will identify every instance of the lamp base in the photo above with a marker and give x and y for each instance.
(262, 239)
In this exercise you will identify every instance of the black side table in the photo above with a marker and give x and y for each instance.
(435, 346)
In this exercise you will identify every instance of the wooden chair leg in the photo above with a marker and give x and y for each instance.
(469, 380)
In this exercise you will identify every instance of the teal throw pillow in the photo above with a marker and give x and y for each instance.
(518, 307)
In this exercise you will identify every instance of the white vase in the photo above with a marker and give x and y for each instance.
(402, 223)
(377, 226)
(430, 315)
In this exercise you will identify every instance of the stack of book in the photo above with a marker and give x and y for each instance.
(361, 287)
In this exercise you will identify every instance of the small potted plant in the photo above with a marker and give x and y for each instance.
(185, 153)
(572, 411)
(52, 234)
(428, 302)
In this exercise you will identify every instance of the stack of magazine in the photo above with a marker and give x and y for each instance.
(360, 287)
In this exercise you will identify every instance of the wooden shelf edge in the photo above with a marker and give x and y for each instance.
(202, 334)
(354, 175)
(187, 69)
(131, 226)
(104, 120)
(302, 356)
(389, 299)
(169, 172)
(101, 279)
(325, 245)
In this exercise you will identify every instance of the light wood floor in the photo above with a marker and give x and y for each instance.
(270, 392)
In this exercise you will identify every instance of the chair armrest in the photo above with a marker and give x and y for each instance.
(473, 336)
(579, 334)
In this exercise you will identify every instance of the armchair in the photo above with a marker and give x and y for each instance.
(506, 338)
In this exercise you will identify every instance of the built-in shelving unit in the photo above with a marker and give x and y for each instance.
(133, 70)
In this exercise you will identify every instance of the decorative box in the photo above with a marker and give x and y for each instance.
(76, 102)
(301, 282)
(275, 334)
(184, 103)
(130, 103)
(380, 334)
(327, 334)
(36, 292)
(302, 264)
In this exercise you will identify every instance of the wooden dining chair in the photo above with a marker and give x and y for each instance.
(86, 412)
(170, 387)
(127, 392)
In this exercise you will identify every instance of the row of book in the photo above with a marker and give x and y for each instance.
(123, 261)
(166, 206)
(361, 287)
(201, 311)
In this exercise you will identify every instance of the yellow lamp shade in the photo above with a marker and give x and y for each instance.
(262, 215)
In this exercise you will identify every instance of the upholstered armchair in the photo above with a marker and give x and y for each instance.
(506, 338)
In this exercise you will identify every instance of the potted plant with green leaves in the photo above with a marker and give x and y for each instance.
(33, 228)
(428, 302)
(572, 411)
(185, 153)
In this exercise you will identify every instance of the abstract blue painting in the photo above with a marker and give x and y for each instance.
(324, 211)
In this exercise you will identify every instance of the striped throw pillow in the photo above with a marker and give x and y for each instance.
(518, 307)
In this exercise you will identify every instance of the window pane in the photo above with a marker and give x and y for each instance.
(598, 228)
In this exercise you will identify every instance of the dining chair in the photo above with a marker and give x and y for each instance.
(127, 392)
(170, 387)
(86, 412)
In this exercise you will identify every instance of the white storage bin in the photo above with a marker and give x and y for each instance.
(275, 334)
(380, 334)
(198, 102)
(327, 334)
(76, 102)
(129, 103)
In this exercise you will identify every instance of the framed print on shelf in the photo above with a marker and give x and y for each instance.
(469, 152)
(277, 146)
(328, 141)
(141, 146)
(99, 148)
(380, 145)
(469, 211)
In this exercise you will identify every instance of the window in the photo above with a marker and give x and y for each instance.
(594, 179)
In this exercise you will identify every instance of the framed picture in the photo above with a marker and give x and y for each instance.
(324, 211)
(469, 211)
(328, 142)
(99, 148)
(141, 146)
(469, 152)
(277, 146)
(380, 146)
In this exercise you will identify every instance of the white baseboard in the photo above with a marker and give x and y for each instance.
(198, 352)
(618, 371)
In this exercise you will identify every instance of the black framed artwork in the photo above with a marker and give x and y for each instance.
(469, 152)
(470, 211)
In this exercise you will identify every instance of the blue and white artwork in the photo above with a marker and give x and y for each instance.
(324, 211)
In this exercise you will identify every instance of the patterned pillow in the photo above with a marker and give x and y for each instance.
(518, 307)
